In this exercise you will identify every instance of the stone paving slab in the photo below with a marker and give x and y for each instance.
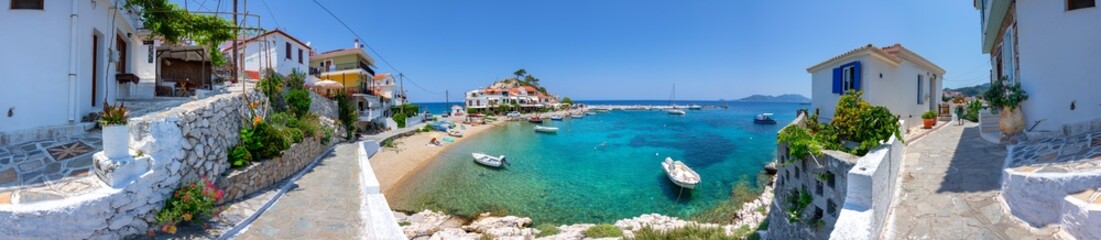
(323, 204)
(951, 189)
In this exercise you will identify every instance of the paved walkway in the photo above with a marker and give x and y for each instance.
(951, 189)
(323, 204)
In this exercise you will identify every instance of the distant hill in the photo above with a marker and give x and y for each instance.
(787, 98)
(972, 90)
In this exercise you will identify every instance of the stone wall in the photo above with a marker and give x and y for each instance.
(242, 182)
(181, 144)
(851, 194)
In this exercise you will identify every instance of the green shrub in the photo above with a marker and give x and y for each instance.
(348, 115)
(327, 135)
(603, 230)
(426, 128)
(310, 125)
(1000, 95)
(272, 87)
(688, 232)
(407, 109)
(400, 119)
(797, 202)
(546, 229)
(239, 156)
(801, 144)
(193, 203)
(298, 100)
(294, 134)
(271, 140)
(856, 120)
(929, 115)
(296, 80)
(725, 211)
(972, 113)
(282, 119)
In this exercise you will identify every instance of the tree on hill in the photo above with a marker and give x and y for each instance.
(531, 80)
(520, 73)
(567, 100)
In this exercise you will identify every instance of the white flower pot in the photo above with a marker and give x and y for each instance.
(116, 141)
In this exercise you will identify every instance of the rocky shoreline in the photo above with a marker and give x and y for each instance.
(433, 225)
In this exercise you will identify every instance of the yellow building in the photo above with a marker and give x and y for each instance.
(351, 67)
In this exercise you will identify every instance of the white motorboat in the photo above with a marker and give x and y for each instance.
(578, 115)
(674, 111)
(590, 113)
(556, 118)
(539, 128)
(680, 174)
(454, 133)
(695, 107)
(488, 160)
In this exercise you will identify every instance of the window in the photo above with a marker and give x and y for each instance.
(120, 48)
(1080, 4)
(28, 4)
(847, 83)
(288, 50)
(300, 56)
(920, 93)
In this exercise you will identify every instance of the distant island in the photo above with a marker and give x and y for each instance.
(786, 98)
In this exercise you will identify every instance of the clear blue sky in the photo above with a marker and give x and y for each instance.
(623, 49)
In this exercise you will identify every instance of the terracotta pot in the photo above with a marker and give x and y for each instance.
(928, 123)
(1011, 121)
(116, 141)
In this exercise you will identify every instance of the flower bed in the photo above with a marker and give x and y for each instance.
(259, 175)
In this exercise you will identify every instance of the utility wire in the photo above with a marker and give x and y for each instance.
(265, 2)
(371, 48)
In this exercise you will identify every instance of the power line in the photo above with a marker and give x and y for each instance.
(370, 48)
(265, 2)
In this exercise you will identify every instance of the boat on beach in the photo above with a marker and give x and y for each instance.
(535, 119)
(488, 160)
(455, 133)
(546, 129)
(764, 118)
(680, 174)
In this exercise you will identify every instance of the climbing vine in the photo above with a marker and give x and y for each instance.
(174, 24)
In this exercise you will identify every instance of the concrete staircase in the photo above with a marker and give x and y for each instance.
(988, 126)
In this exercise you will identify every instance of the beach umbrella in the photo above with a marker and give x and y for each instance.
(328, 84)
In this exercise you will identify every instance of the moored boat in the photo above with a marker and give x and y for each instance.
(556, 118)
(488, 160)
(694, 107)
(590, 113)
(680, 174)
(455, 133)
(546, 129)
(674, 111)
(535, 119)
(764, 118)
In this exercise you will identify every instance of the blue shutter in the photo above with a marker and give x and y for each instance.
(856, 76)
(837, 80)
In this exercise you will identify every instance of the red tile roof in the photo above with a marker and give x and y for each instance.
(381, 76)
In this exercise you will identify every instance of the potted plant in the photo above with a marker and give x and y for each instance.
(1007, 99)
(929, 119)
(116, 136)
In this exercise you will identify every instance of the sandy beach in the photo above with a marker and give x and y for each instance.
(411, 154)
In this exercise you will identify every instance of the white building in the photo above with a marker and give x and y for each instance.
(1052, 48)
(274, 49)
(527, 97)
(893, 77)
(63, 59)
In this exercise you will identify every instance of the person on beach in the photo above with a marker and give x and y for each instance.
(959, 115)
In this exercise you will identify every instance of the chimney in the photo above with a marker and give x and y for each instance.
(356, 44)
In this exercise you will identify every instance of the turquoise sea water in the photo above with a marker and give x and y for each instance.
(600, 168)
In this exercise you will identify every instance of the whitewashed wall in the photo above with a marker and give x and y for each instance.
(35, 71)
(1059, 56)
(896, 90)
(274, 53)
